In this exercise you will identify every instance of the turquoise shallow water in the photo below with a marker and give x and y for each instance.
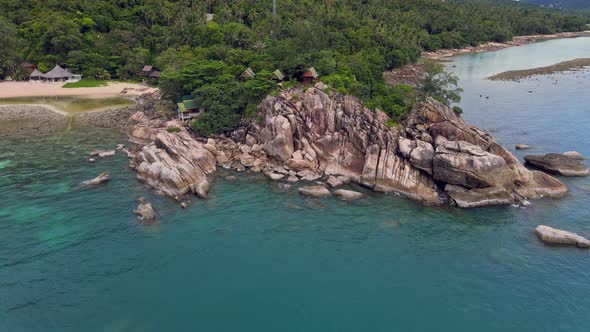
(255, 257)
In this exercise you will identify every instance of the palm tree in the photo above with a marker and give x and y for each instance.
(259, 46)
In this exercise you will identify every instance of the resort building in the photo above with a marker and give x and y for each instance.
(150, 72)
(310, 76)
(187, 108)
(58, 74)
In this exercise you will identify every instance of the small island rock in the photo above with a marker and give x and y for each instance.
(101, 178)
(559, 164)
(145, 211)
(522, 146)
(556, 236)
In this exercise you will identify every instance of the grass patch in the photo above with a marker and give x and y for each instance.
(85, 83)
(173, 130)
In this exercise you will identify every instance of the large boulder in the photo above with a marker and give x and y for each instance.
(464, 164)
(175, 164)
(477, 197)
(556, 236)
(559, 164)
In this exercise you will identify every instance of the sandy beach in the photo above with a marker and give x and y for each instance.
(493, 46)
(40, 89)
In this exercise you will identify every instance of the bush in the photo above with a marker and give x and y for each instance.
(173, 130)
(457, 110)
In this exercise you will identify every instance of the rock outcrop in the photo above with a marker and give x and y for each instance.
(433, 155)
(144, 211)
(559, 237)
(308, 135)
(172, 163)
(569, 164)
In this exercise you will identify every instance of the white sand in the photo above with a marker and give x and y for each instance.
(41, 89)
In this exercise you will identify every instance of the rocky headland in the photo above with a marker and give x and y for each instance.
(309, 135)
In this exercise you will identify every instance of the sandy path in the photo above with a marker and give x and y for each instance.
(39, 89)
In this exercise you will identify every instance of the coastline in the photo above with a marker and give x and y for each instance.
(36, 89)
(495, 46)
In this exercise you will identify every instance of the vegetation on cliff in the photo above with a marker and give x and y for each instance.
(203, 46)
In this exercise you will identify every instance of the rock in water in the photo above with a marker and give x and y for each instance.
(556, 236)
(574, 155)
(274, 176)
(101, 178)
(102, 153)
(145, 212)
(558, 164)
(307, 134)
(348, 195)
(522, 146)
(334, 182)
(315, 191)
(175, 164)
(477, 197)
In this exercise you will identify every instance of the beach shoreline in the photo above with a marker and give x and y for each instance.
(495, 46)
(13, 89)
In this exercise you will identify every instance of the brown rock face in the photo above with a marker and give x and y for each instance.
(308, 135)
(335, 135)
(562, 164)
(173, 163)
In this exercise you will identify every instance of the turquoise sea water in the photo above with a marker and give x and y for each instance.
(255, 257)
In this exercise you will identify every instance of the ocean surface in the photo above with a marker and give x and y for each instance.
(255, 257)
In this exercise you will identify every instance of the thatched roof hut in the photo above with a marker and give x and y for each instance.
(248, 74)
(278, 75)
(36, 74)
(58, 73)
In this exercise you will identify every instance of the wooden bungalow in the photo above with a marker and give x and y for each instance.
(248, 74)
(150, 72)
(310, 76)
(187, 108)
(278, 75)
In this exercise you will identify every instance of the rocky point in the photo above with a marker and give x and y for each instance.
(434, 156)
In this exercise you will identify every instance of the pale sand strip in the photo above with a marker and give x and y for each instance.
(39, 89)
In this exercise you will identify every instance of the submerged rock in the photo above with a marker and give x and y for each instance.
(101, 178)
(348, 195)
(102, 153)
(559, 164)
(314, 191)
(522, 147)
(556, 236)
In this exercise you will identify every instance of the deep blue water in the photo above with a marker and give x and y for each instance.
(254, 257)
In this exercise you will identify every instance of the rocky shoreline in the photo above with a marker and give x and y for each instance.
(311, 136)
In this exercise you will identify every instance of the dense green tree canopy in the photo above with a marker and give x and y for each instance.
(203, 46)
